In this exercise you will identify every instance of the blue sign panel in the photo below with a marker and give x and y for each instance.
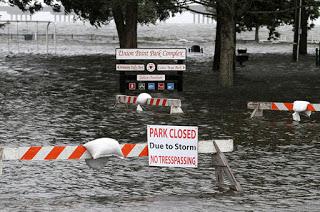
(151, 86)
(170, 86)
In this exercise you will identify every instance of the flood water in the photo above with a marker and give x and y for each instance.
(55, 100)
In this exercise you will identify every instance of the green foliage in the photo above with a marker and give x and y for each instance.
(272, 14)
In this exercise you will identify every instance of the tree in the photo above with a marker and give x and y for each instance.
(125, 13)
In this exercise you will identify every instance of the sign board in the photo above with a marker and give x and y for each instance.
(151, 54)
(151, 77)
(151, 69)
(171, 67)
(129, 67)
(172, 146)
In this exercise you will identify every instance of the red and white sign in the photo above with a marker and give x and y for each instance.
(132, 86)
(171, 67)
(151, 77)
(161, 86)
(151, 54)
(172, 146)
(130, 67)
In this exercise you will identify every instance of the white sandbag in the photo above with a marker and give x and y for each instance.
(307, 113)
(104, 147)
(142, 98)
(300, 106)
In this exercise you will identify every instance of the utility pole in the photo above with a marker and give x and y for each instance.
(297, 30)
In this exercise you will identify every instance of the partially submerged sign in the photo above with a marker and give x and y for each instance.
(151, 69)
(173, 146)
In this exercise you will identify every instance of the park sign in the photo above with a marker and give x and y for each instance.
(151, 54)
(150, 69)
(172, 146)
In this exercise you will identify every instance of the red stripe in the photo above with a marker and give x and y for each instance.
(134, 100)
(274, 106)
(32, 151)
(77, 153)
(144, 152)
(151, 101)
(289, 106)
(164, 103)
(54, 153)
(126, 149)
(129, 98)
(158, 101)
(310, 107)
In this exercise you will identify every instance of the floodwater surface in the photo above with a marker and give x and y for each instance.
(56, 100)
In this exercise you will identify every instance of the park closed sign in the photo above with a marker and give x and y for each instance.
(172, 146)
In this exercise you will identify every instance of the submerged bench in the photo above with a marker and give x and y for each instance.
(242, 56)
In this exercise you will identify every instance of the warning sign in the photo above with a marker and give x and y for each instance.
(172, 146)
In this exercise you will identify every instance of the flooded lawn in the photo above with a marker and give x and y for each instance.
(69, 100)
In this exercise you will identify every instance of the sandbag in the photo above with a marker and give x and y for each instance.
(104, 147)
(300, 106)
(142, 98)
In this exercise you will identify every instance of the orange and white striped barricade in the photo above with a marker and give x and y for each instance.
(258, 107)
(174, 104)
(46, 153)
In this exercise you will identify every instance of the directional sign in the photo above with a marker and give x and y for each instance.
(171, 67)
(129, 67)
(151, 77)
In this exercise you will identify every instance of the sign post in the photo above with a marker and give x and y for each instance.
(173, 146)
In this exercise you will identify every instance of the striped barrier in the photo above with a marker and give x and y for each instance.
(215, 147)
(174, 104)
(258, 107)
(80, 152)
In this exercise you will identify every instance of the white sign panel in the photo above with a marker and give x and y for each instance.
(151, 54)
(171, 67)
(172, 146)
(130, 67)
(151, 77)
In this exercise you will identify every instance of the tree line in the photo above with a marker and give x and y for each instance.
(231, 16)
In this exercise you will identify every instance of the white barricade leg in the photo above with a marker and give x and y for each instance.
(139, 109)
(222, 167)
(175, 110)
(257, 112)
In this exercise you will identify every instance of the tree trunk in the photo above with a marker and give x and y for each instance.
(131, 22)
(304, 28)
(217, 46)
(256, 35)
(126, 23)
(227, 42)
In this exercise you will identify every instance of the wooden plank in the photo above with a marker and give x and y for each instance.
(225, 145)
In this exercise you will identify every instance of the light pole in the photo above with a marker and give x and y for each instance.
(299, 30)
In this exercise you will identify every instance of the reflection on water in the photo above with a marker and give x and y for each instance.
(69, 100)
